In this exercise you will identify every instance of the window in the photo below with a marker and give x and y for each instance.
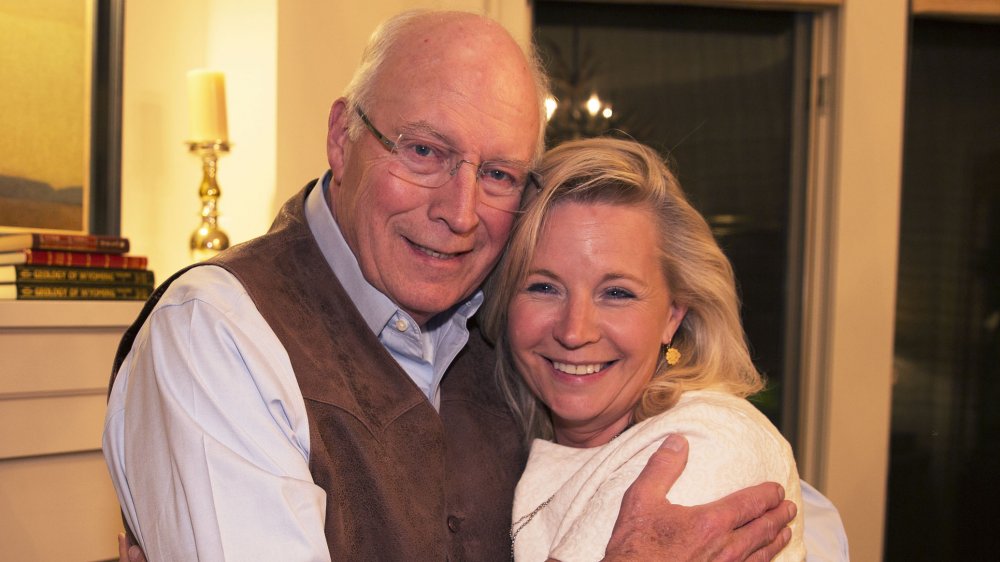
(723, 94)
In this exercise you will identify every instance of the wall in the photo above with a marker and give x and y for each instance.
(285, 63)
(159, 177)
(863, 241)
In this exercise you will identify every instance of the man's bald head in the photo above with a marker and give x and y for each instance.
(414, 41)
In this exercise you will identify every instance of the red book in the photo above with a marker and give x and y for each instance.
(64, 243)
(73, 259)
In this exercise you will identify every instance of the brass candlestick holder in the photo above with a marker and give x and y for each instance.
(208, 239)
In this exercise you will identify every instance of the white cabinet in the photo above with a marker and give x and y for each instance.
(56, 498)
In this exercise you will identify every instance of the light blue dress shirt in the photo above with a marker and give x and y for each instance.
(208, 446)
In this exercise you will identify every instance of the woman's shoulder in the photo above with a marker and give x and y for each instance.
(727, 425)
(712, 404)
(713, 396)
(731, 445)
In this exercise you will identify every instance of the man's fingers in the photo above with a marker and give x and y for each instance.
(122, 547)
(128, 551)
(763, 537)
(661, 471)
(750, 503)
(768, 553)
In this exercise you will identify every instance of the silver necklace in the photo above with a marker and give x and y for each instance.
(522, 522)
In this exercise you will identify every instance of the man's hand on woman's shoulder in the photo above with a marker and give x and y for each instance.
(750, 524)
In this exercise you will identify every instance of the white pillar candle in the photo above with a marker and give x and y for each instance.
(207, 100)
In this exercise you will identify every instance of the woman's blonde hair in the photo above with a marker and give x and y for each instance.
(710, 338)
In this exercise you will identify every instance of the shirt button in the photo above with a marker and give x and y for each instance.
(401, 325)
(454, 523)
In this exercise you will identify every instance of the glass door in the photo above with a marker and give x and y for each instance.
(945, 434)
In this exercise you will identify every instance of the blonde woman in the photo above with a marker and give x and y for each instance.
(617, 323)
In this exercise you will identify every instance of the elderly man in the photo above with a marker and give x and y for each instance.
(316, 392)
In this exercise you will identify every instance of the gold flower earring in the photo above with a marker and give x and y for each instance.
(672, 354)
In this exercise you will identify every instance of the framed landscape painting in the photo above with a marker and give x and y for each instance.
(60, 114)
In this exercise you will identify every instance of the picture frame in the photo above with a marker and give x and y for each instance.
(60, 155)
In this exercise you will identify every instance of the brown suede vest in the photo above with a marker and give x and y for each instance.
(402, 481)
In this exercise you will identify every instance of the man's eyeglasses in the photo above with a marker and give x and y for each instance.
(428, 162)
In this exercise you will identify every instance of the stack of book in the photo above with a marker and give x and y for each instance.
(45, 266)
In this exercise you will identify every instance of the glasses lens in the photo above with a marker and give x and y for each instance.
(429, 163)
(425, 162)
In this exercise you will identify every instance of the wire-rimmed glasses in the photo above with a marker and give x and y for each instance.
(428, 162)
